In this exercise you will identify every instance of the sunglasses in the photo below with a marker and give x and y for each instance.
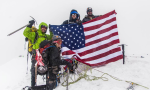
(74, 14)
(89, 10)
(44, 26)
(59, 42)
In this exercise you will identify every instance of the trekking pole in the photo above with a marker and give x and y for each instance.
(67, 78)
(21, 27)
(27, 61)
(25, 46)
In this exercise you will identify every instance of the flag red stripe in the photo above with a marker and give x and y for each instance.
(100, 17)
(98, 48)
(69, 52)
(99, 25)
(101, 39)
(102, 55)
(101, 32)
(106, 62)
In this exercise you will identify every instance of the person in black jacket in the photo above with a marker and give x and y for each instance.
(74, 18)
(89, 15)
(53, 60)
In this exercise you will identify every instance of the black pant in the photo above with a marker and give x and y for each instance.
(51, 77)
(33, 61)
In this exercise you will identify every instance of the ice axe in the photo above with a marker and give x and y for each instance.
(21, 27)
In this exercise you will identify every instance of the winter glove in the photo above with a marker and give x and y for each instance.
(70, 65)
(26, 39)
(64, 62)
(31, 23)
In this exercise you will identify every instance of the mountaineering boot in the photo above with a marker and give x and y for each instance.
(50, 86)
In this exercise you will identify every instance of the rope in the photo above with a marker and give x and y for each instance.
(122, 80)
(87, 77)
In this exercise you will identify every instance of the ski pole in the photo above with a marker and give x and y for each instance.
(18, 29)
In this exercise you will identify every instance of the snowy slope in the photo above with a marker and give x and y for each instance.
(14, 77)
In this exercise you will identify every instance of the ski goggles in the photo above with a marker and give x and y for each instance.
(59, 42)
(44, 26)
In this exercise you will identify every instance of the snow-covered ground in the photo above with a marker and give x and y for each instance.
(13, 75)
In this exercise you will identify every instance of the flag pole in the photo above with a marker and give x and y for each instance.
(123, 51)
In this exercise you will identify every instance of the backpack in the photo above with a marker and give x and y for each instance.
(44, 45)
(30, 44)
(41, 56)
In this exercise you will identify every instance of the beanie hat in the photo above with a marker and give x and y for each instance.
(74, 12)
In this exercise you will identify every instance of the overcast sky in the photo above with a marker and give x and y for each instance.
(133, 17)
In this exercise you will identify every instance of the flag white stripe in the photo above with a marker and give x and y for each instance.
(63, 49)
(68, 56)
(105, 58)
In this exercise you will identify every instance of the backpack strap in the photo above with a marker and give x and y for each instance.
(48, 47)
(46, 37)
(36, 37)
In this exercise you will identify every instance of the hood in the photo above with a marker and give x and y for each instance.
(74, 11)
(42, 23)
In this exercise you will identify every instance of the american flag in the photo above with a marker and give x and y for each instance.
(93, 43)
